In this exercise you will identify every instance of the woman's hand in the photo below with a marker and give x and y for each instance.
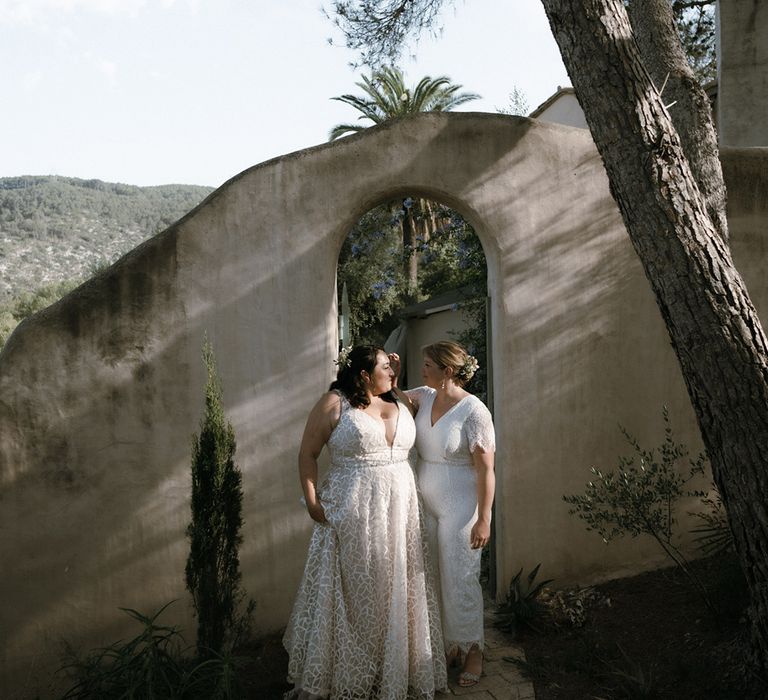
(480, 534)
(316, 512)
(395, 366)
(320, 424)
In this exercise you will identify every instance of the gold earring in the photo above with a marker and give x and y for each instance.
(442, 384)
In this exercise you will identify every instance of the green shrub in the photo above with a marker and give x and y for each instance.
(633, 679)
(641, 498)
(213, 566)
(153, 664)
(522, 608)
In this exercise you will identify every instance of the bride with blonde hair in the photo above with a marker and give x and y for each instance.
(456, 442)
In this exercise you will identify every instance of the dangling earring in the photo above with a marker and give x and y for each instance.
(442, 384)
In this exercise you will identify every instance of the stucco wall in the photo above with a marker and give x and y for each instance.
(742, 72)
(100, 394)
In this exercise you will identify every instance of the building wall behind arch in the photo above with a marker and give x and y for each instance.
(99, 394)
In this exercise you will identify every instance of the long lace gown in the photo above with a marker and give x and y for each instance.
(448, 486)
(365, 624)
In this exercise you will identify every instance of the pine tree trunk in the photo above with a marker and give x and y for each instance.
(712, 323)
(653, 24)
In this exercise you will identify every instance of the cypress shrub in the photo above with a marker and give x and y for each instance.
(213, 566)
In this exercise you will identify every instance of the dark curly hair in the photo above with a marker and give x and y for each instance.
(349, 381)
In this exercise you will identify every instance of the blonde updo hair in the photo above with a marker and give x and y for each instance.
(446, 353)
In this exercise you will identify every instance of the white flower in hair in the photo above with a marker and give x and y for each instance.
(343, 359)
(469, 367)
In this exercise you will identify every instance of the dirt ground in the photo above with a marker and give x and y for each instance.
(649, 636)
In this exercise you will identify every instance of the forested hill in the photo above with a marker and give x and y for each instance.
(58, 228)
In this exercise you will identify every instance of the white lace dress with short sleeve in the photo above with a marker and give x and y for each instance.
(447, 481)
(365, 624)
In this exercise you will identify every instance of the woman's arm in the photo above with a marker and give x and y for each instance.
(486, 489)
(407, 397)
(403, 396)
(320, 423)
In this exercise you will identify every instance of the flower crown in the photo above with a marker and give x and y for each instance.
(468, 369)
(343, 360)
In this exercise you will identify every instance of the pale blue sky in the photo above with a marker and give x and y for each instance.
(150, 92)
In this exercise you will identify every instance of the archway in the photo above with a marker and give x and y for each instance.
(412, 271)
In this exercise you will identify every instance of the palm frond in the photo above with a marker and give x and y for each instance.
(387, 97)
(344, 129)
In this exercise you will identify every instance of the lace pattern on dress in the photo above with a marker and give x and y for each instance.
(479, 427)
(365, 624)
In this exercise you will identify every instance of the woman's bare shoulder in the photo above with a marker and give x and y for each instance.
(329, 404)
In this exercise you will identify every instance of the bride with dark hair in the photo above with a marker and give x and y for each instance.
(365, 622)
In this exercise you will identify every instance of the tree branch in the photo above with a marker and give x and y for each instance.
(653, 24)
(680, 5)
(380, 30)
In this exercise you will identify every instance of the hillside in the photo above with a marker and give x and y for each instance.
(55, 228)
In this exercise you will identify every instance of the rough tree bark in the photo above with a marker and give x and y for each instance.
(712, 323)
(653, 23)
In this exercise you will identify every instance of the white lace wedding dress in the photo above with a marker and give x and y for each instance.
(365, 623)
(448, 486)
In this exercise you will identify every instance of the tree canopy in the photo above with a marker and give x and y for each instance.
(379, 29)
(387, 97)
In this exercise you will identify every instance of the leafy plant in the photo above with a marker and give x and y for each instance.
(213, 566)
(713, 533)
(641, 498)
(220, 677)
(634, 680)
(517, 104)
(572, 605)
(522, 606)
(387, 97)
(145, 666)
(153, 664)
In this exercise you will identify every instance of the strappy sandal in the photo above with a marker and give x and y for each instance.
(468, 678)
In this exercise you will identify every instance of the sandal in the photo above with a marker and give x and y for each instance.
(469, 678)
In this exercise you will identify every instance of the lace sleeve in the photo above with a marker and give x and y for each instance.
(479, 429)
(416, 395)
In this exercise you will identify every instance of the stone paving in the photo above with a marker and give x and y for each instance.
(501, 680)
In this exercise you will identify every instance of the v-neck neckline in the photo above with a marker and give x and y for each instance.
(384, 425)
(432, 423)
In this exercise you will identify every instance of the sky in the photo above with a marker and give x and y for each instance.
(152, 92)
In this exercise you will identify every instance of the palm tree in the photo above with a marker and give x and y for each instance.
(386, 97)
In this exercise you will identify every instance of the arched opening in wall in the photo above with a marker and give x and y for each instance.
(412, 271)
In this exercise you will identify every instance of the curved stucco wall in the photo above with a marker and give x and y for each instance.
(99, 394)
